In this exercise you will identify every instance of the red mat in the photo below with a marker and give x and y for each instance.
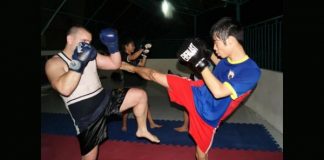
(54, 147)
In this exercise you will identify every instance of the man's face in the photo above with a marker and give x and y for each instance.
(220, 47)
(81, 36)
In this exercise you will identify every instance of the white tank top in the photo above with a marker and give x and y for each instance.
(89, 84)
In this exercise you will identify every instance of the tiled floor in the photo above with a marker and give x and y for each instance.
(160, 107)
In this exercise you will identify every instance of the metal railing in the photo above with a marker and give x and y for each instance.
(263, 43)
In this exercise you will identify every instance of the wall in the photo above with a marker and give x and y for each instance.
(267, 98)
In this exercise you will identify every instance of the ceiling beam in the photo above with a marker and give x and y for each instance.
(96, 11)
(238, 4)
(123, 12)
(51, 19)
(73, 15)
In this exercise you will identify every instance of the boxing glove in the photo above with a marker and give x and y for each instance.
(82, 54)
(144, 53)
(146, 46)
(146, 50)
(194, 53)
(109, 38)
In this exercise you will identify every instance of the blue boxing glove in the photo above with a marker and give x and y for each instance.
(109, 38)
(82, 54)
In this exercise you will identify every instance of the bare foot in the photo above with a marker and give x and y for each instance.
(124, 128)
(127, 67)
(148, 135)
(181, 129)
(154, 125)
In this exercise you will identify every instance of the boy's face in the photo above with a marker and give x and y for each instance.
(221, 48)
(130, 47)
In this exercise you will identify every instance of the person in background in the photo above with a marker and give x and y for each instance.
(137, 58)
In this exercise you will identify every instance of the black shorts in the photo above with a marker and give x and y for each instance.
(96, 132)
(133, 80)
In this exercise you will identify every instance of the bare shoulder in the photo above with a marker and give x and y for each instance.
(55, 63)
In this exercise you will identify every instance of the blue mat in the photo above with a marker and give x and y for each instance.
(229, 135)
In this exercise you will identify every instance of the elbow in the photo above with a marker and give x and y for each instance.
(217, 95)
(221, 92)
(66, 92)
(117, 65)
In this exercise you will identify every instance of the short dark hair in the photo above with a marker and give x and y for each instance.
(75, 28)
(126, 41)
(226, 27)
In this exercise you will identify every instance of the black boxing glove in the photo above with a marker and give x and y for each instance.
(194, 52)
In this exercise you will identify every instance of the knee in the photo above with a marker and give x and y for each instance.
(140, 94)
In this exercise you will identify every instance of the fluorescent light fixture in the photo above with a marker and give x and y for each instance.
(167, 9)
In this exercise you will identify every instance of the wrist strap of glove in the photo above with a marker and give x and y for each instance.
(201, 64)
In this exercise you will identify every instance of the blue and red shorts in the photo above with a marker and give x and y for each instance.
(181, 93)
